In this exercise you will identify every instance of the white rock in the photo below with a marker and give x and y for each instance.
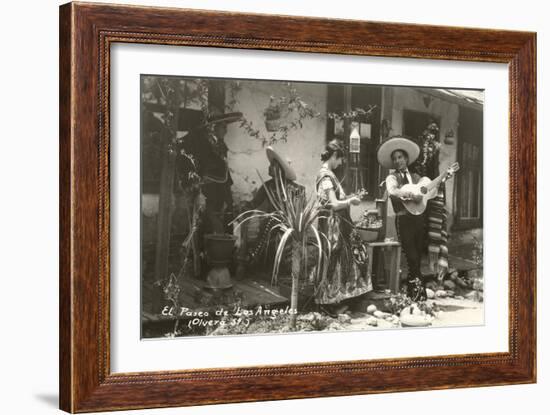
(371, 309)
(478, 284)
(344, 318)
(441, 294)
(334, 326)
(430, 293)
(411, 310)
(461, 283)
(380, 314)
(372, 321)
(453, 274)
(411, 320)
(307, 317)
(472, 295)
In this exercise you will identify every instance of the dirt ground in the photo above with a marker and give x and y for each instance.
(445, 312)
(452, 312)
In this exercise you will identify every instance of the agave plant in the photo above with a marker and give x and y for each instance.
(294, 219)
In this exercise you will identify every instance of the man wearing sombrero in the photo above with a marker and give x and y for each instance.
(281, 172)
(398, 153)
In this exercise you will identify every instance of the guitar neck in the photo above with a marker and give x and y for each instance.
(437, 181)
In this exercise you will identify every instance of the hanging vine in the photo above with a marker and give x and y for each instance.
(357, 114)
(290, 108)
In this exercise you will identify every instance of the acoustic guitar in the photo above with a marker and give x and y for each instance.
(425, 190)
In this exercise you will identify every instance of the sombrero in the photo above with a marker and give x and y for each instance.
(285, 164)
(386, 149)
(227, 118)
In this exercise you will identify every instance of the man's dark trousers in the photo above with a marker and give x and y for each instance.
(410, 230)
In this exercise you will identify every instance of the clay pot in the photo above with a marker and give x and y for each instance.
(273, 125)
(219, 247)
(368, 236)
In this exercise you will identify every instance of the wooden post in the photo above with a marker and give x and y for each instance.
(389, 260)
(216, 95)
(296, 269)
(388, 225)
(347, 130)
(396, 266)
(168, 160)
(370, 259)
(164, 221)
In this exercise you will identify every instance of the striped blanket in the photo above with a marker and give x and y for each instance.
(437, 234)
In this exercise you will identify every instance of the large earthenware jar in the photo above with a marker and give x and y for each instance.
(219, 254)
(219, 247)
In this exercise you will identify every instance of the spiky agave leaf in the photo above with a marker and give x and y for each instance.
(237, 220)
(287, 204)
(249, 215)
(279, 253)
(328, 254)
(279, 183)
(295, 215)
(272, 232)
(319, 249)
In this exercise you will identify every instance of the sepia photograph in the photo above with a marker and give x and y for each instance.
(259, 207)
(280, 206)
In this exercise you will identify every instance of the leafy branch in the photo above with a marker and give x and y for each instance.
(279, 107)
(354, 115)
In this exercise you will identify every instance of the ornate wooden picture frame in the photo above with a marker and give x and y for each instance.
(87, 32)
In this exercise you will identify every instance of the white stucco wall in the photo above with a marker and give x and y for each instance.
(303, 147)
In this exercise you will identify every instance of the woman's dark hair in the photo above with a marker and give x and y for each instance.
(333, 147)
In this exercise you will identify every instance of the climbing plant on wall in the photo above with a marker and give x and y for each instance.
(283, 114)
(357, 114)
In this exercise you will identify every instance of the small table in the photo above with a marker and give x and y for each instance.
(392, 262)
